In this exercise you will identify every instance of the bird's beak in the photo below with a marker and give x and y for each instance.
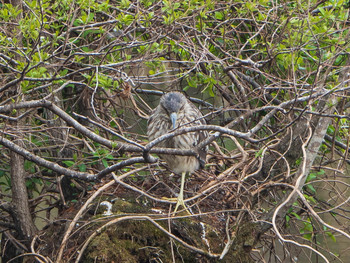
(173, 118)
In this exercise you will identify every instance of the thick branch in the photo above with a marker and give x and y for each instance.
(42, 162)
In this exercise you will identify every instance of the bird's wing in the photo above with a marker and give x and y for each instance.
(200, 135)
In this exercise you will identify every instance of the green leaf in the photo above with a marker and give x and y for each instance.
(310, 177)
(296, 215)
(82, 168)
(321, 172)
(125, 4)
(250, 6)
(29, 166)
(322, 11)
(331, 236)
(308, 236)
(68, 163)
(287, 218)
(310, 199)
(219, 16)
(109, 156)
(259, 153)
(105, 163)
(312, 189)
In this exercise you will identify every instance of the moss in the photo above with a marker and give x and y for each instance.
(103, 249)
(129, 242)
(141, 241)
(245, 239)
(128, 206)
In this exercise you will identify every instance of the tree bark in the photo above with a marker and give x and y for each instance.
(20, 205)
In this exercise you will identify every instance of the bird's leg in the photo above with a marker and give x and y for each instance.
(180, 197)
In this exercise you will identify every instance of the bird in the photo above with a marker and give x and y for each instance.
(174, 111)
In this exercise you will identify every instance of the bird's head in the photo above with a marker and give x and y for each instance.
(172, 103)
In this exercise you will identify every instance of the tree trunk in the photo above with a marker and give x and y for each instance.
(15, 243)
(20, 207)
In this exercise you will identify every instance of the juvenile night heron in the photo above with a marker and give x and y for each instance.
(173, 111)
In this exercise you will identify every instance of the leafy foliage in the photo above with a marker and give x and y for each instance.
(259, 67)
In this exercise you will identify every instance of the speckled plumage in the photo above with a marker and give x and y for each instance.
(187, 115)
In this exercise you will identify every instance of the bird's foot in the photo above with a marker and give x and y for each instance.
(180, 202)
